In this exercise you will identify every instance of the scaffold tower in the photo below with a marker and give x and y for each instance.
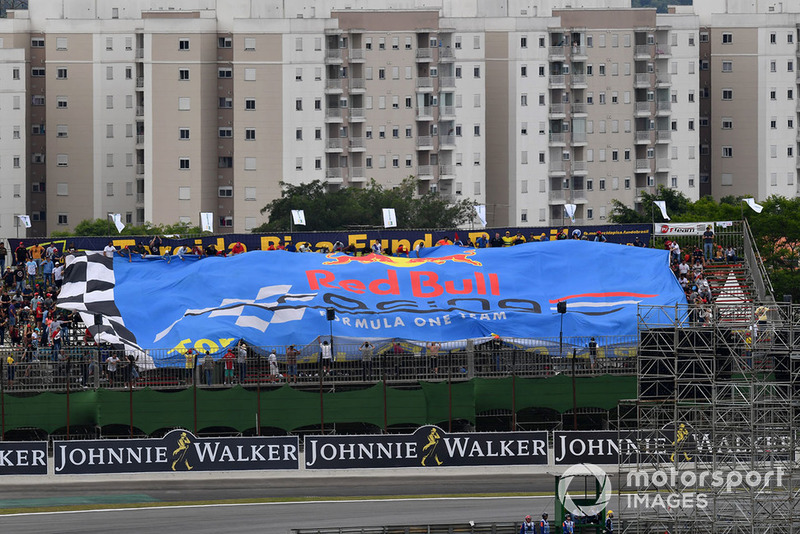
(715, 421)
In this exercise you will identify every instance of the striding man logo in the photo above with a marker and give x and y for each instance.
(179, 454)
(430, 448)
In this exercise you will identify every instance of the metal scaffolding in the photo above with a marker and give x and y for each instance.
(718, 396)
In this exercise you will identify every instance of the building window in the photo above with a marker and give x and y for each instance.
(249, 134)
(250, 104)
(62, 160)
(183, 44)
(63, 218)
(225, 102)
(183, 163)
(37, 72)
(224, 73)
(183, 134)
(476, 72)
(727, 94)
(250, 75)
(225, 132)
(183, 74)
(61, 102)
(727, 152)
(184, 103)
(37, 43)
(250, 164)
(224, 42)
(727, 38)
(61, 73)
(249, 43)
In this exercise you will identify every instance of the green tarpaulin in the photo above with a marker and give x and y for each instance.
(289, 409)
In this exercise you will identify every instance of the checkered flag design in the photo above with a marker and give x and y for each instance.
(89, 289)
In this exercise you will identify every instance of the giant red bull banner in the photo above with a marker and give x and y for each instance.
(448, 293)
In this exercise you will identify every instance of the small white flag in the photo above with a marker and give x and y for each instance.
(570, 209)
(389, 218)
(207, 221)
(299, 217)
(480, 209)
(117, 218)
(662, 205)
(753, 205)
(26, 220)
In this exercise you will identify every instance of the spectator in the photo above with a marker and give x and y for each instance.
(58, 275)
(36, 252)
(31, 269)
(376, 247)
(326, 357)
(111, 368)
(227, 361)
(109, 250)
(20, 254)
(291, 364)
(708, 243)
(508, 240)
(155, 245)
(599, 237)
(496, 241)
(237, 248)
(637, 243)
(3, 254)
(241, 360)
(274, 374)
(208, 368)
(730, 255)
(47, 272)
(367, 350)
(433, 356)
(482, 241)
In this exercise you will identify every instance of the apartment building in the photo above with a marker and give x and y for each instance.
(13, 125)
(160, 112)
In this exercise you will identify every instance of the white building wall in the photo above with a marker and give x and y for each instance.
(13, 129)
(684, 147)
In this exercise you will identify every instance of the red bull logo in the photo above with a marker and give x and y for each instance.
(396, 261)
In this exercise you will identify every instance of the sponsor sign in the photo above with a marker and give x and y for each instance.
(694, 228)
(361, 240)
(428, 446)
(23, 457)
(178, 451)
(608, 447)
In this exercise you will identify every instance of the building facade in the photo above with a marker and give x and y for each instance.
(160, 113)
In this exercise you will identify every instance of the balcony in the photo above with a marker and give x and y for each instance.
(446, 112)
(663, 136)
(446, 55)
(557, 81)
(557, 53)
(140, 139)
(357, 144)
(558, 109)
(447, 142)
(577, 80)
(579, 168)
(643, 166)
(578, 138)
(335, 174)
(663, 81)
(558, 138)
(642, 80)
(358, 174)
(140, 198)
(140, 111)
(425, 172)
(662, 165)
(425, 142)
(424, 55)
(663, 51)
(139, 53)
(578, 53)
(644, 109)
(333, 115)
(558, 196)
(557, 168)
(356, 55)
(356, 115)
(333, 55)
(140, 169)
(424, 84)
(579, 108)
(642, 137)
(643, 51)
(664, 108)
(335, 85)
(333, 146)
(140, 82)
(447, 172)
(650, 190)
(425, 113)
(447, 82)
(357, 85)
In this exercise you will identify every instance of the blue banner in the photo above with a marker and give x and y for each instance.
(449, 293)
(360, 240)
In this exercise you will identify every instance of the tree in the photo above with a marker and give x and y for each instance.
(348, 207)
(104, 227)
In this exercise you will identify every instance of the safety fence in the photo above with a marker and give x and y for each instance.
(82, 366)
(452, 528)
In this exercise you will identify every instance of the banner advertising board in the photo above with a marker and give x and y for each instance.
(178, 451)
(23, 458)
(428, 446)
(693, 228)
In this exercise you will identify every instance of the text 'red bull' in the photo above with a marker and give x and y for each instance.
(424, 284)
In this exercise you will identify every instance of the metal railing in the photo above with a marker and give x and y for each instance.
(449, 528)
(78, 365)
(755, 264)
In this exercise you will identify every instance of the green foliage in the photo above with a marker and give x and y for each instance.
(104, 227)
(349, 207)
